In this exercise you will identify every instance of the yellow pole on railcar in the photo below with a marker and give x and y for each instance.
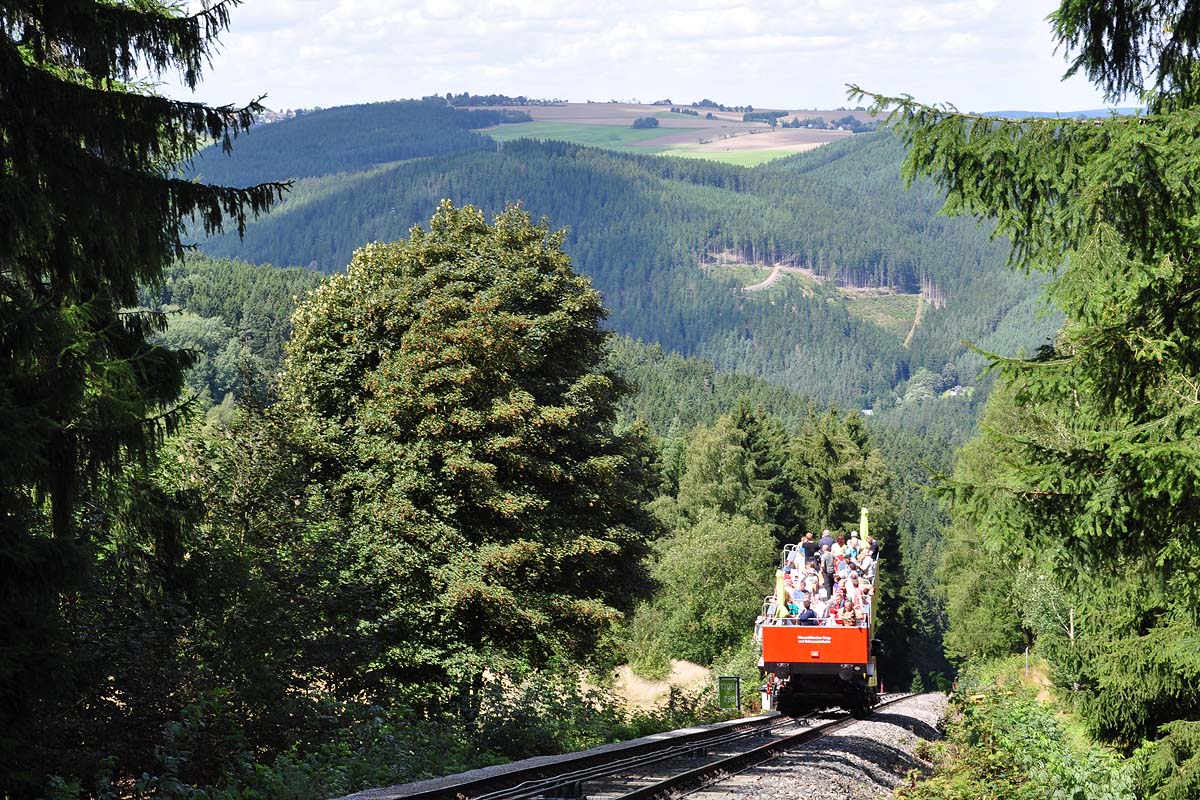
(781, 595)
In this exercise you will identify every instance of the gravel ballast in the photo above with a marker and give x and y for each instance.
(862, 761)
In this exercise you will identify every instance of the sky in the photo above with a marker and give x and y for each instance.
(979, 55)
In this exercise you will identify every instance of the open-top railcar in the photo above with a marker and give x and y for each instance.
(808, 666)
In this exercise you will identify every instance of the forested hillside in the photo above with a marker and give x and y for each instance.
(346, 139)
(646, 229)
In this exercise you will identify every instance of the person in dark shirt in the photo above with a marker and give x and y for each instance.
(826, 539)
(807, 616)
(873, 547)
(810, 548)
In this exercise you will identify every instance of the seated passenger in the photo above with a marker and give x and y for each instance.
(793, 610)
(807, 615)
(821, 605)
(839, 547)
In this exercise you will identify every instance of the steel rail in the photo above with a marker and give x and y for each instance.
(698, 777)
(546, 787)
(547, 771)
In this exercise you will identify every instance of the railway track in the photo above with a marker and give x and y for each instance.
(648, 770)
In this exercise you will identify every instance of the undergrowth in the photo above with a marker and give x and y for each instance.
(1002, 742)
(362, 747)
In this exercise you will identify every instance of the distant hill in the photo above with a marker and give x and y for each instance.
(346, 139)
(652, 233)
(1088, 113)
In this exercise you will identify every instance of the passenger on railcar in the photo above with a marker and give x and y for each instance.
(807, 616)
(810, 548)
(838, 548)
(793, 611)
(821, 606)
(811, 581)
(795, 559)
(828, 568)
(843, 569)
(772, 610)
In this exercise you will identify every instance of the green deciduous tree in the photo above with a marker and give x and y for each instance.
(90, 210)
(712, 577)
(453, 386)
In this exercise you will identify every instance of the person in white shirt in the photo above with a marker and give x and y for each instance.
(821, 605)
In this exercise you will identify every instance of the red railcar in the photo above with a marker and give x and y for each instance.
(816, 666)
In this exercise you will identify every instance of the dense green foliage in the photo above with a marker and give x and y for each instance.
(675, 393)
(1001, 741)
(1078, 505)
(469, 99)
(645, 229)
(90, 211)
(452, 385)
(325, 578)
(236, 315)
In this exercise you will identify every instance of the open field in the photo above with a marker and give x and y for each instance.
(608, 135)
(724, 138)
(741, 158)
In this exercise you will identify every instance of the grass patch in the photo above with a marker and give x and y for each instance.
(741, 158)
(892, 312)
(742, 274)
(612, 137)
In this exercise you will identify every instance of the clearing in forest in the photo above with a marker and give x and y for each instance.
(643, 693)
(897, 313)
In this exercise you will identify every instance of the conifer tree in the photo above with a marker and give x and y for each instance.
(89, 209)
(1097, 462)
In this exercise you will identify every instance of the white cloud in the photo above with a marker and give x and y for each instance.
(978, 54)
